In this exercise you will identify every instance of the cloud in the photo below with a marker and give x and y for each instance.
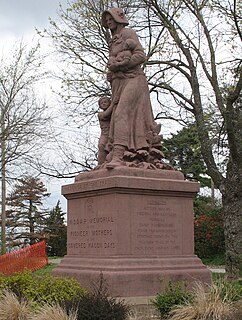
(20, 17)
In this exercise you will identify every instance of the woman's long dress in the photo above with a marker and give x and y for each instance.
(132, 116)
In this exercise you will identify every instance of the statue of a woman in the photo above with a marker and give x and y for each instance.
(134, 138)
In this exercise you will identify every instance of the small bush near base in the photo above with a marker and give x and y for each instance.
(52, 312)
(12, 308)
(174, 293)
(220, 302)
(98, 305)
(41, 289)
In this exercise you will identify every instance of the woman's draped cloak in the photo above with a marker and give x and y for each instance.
(132, 116)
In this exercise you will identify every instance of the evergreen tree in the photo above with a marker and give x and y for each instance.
(183, 150)
(56, 231)
(26, 215)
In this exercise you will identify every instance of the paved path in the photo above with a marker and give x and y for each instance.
(218, 269)
(54, 261)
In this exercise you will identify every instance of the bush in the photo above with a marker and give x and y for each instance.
(98, 305)
(209, 236)
(208, 228)
(52, 312)
(41, 289)
(227, 290)
(13, 308)
(173, 294)
(216, 304)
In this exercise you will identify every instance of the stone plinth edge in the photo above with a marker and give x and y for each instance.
(129, 180)
(130, 172)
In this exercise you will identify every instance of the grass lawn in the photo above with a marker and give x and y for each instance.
(46, 269)
(217, 260)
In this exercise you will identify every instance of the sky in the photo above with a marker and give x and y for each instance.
(18, 20)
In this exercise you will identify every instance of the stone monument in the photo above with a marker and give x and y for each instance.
(131, 218)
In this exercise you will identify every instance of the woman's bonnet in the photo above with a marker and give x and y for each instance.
(117, 14)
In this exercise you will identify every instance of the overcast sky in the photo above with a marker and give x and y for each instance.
(18, 18)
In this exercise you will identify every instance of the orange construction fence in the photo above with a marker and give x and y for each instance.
(32, 258)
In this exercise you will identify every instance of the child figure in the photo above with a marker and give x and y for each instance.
(123, 57)
(104, 118)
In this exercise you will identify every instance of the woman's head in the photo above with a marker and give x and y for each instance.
(117, 15)
(111, 23)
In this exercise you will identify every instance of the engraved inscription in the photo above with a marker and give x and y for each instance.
(81, 186)
(90, 220)
(84, 233)
(156, 229)
(91, 232)
(95, 245)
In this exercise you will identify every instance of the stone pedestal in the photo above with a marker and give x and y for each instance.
(135, 227)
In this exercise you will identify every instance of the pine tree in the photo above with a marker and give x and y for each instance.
(56, 231)
(183, 150)
(26, 216)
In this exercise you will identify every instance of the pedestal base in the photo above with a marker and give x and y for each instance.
(134, 277)
(133, 226)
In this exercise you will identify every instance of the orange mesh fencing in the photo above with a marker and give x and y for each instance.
(32, 258)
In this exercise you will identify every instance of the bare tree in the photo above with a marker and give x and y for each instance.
(202, 70)
(24, 120)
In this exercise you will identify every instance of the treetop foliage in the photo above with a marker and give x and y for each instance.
(183, 150)
(26, 214)
(57, 232)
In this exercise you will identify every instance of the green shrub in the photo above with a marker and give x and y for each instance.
(228, 290)
(41, 289)
(208, 228)
(98, 305)
(174, 293)
(209, 234)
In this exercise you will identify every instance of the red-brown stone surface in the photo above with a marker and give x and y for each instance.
(133, 226)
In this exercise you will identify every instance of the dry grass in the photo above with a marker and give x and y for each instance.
(216, 304)
(55, 312)
(11, 308)
(146, 314)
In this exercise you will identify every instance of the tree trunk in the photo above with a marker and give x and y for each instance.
(232, 203)
(31, 222)
(3, 185)
(3, 227)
